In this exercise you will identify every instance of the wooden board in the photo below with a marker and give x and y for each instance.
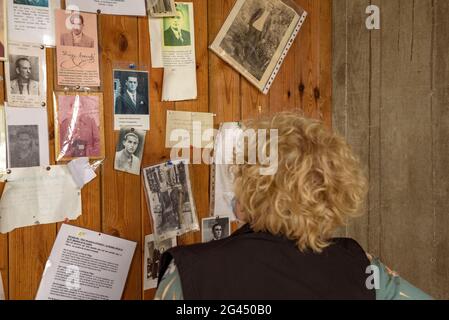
(390, 102)
(115, 202)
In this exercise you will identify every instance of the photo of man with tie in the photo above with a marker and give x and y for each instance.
(176, 29)
(131, 93)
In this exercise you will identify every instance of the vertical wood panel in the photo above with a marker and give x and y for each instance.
(406, 176)
(199, 173)
(121, 191)
(440, 149)
(404, 82)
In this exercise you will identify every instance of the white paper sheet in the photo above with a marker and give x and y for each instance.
(185, 129)
(156, 42)
(86, 265)
(115, 7)
(33, 121)
(225, 141)
(2, 291)
(152, 256)
(175, 53)
(81, 171)
(38, 196)
(32, 23)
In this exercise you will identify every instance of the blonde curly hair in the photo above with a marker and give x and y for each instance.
(318, 184)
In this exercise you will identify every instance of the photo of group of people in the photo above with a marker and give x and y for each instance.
(170, 198)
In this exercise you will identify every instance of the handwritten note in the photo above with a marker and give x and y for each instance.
(38, 195)
(185, 129)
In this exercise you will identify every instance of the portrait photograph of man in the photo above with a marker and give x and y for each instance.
(24, 75)
(79, 127)
(23, 146)
(131, 92)
(215, 228)
(177, 28)
(36, 3)
(129, 151)
(76, 37)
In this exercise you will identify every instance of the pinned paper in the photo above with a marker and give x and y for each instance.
(173, 48)
(86, 265)
(82, 172)
(185, 129)
(38, 195)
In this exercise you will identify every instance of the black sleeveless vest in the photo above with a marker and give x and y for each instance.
(260, 266)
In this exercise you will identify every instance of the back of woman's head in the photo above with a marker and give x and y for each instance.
(318, 184)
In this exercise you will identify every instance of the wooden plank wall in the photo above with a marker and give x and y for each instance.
(390, 100)
(115, 202)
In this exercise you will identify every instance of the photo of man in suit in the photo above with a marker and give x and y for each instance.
(130, 101)
(176, 35)
(77, 38)
(22, 82)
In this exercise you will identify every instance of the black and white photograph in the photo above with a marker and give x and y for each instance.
(27, 137)
(161, 8)
(131, 103)
(254, 37)
(215, 228)
(170, 199)
(26, 75)
(129, 151)
(152, 259)
(23, 146)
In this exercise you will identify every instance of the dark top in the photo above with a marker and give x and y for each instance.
(250, 265)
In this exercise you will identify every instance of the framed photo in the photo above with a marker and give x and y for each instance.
(26, 80)
(79, 127)
(254, 38)
(3, 31)
(129, 151)
(131, 102)
(215, 228)
(161, 8)
(170, 199)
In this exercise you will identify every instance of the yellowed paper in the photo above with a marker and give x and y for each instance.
(38, 195)
(185, 129)
(77, 49)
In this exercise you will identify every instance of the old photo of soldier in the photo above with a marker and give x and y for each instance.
(170, 199)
